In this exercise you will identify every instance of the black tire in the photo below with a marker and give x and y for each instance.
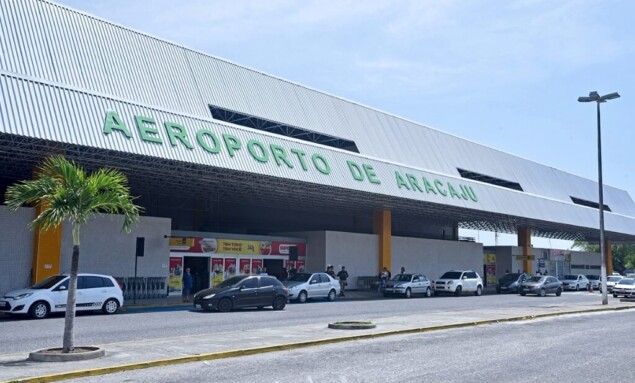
(498, 290)
(408, 293)
(302, 297)
(522, 294)
(332, 295)
(428, 292)
(225, 305)
(543, 292)
(279, 303)
(110, 306)
(577, 287)
(558, 292)
(39, 310)
(458, 291)
(479, 291)
(436, 293)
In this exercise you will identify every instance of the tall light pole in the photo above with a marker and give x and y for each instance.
(595, 97)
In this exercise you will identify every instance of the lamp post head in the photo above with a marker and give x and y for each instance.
(595, 97)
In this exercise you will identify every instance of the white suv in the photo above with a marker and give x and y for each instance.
(457, 281)
(94, 292)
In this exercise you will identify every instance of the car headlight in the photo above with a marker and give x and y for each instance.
(209, 296)
(293, 287)
(22, 296)
(449, 283)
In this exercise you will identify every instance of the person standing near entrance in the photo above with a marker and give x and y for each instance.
(187, 285)
(343, 276)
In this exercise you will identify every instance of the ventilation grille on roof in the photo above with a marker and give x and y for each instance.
(583, 202)
(489, 179)
(281, 129)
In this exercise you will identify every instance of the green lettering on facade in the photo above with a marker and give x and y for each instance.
(452, 191)
(413, 182)
(321, 164)
(263, 156)
(400, 181)
(201, 134)
(464, 192)
(428, 186)
(280, 155)
(356, 171)
(147, 133)
(471, 194)
(177, 132)
(113, 121)
(300, 154)
(232, 143)
(439, 186)
(370, 173)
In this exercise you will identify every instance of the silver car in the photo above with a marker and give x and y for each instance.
(541, 285)
(303, 286)
(408, 284)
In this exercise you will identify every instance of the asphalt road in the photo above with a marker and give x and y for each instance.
(25, 335)
(575, 348)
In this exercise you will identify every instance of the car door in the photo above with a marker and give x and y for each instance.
(93, 290)
(59, 296)
(266, 292)
(247, 294)
(469, 284)
(83, 297)
(416, 284)
(325, 282)
(314, 286)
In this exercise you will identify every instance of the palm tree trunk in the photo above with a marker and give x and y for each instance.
(69, 322)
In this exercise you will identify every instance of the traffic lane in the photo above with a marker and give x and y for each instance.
(575, 348)
(23, 335)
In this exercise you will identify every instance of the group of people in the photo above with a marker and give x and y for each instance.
(342, 275)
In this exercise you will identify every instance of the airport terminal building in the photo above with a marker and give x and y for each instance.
(238, 170)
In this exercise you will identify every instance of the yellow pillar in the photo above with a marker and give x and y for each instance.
(608, 252)
(382, 226)
(524, 241)
(47, 251)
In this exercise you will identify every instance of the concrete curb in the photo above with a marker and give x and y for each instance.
(54, 355)
(292, 346)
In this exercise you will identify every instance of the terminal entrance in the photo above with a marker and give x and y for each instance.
(199, 268)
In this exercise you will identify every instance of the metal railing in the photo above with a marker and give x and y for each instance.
(143, 287)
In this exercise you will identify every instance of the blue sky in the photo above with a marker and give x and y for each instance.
(506, 74)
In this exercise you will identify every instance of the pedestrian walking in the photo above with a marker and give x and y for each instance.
(188, 281)
(343, 276)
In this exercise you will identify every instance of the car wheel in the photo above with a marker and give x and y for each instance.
(577, 287)
(225, 305)
(279, 303)
(543, 292)
(110, 306)
(408, 293)
(614, 295)
(332, 295)
(302, 296)
(39, 310)
(428, 292)
(498, 290)
(558, 292)
(458, 290)
(479, 291)
(436, 293)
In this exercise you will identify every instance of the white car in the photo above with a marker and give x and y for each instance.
(625, 287)
(611, 281)
(595, 281)
(408, 284)
(575, 282)
(94, 292)
(457, 281)
(303, 286)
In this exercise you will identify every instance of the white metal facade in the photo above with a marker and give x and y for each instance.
(61, 71)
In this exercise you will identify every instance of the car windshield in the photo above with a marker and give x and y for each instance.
(613, 279)
(402, 278)
(593, 277)
(451, 275)
(231, 281)
(569, 276)
(49, 282)
(300, 277)
(535, 279)
(627, 281)
(510, 277)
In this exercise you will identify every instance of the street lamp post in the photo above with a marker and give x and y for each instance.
(595, 97)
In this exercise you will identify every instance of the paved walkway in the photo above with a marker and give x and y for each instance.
(156, 352)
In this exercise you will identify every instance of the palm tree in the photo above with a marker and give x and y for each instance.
(68, 193)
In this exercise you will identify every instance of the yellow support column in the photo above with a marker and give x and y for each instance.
(47, 251)
(524, 241)
(382, 220)
(608, 252)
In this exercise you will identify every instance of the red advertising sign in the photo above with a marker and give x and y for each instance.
(256, 266)
(176, 273)
(282, 248)
(230, 267)
(245, 266)
(299, 266)
(217, 270)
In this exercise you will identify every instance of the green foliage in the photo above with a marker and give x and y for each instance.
(623, 254)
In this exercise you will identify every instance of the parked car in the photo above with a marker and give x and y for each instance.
(595, 281)
(510, 282)
(94, 292)
(243, 291)
(611, 281)
(575, 282)
(408, 284)
(457, 281)
(541, 285)
(625, 287)
(303, 286)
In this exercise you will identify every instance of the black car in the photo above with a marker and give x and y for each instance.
(243, 291)
(510, 282)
